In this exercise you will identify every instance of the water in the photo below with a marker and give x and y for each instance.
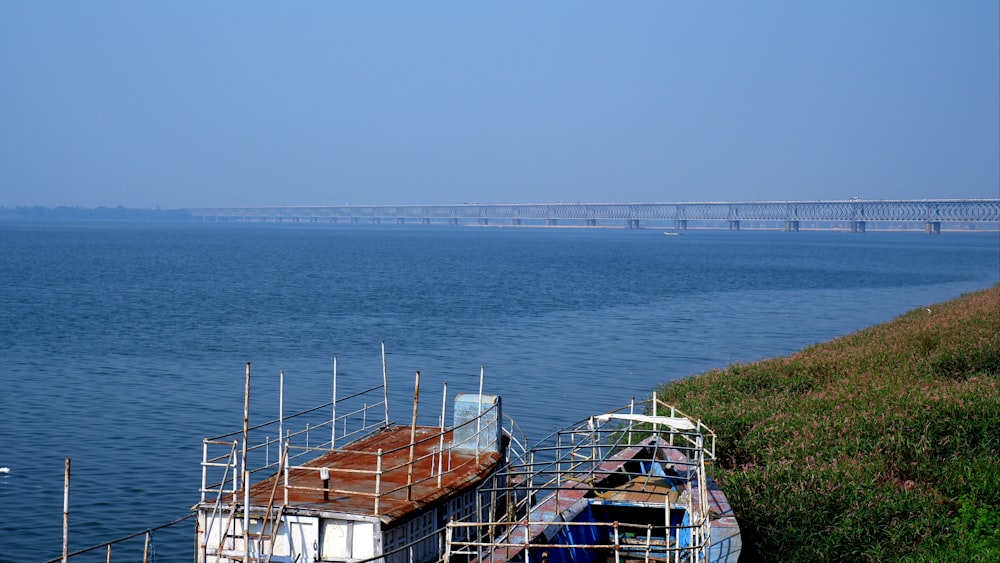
(122, 345)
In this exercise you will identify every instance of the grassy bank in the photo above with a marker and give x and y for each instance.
(882, 445)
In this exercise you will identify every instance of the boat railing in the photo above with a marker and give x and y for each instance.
(707, 434)
(593, 458)
(517, 449)
(323, 426)
(581, 449)
(629, 541)
(133, 547)
(368, 479)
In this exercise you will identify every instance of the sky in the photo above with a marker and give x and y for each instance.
(223, 103)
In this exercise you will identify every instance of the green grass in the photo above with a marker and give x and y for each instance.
(884, 444)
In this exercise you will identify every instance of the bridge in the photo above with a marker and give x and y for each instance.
(855, 214)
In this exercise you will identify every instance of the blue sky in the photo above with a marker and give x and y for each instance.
(222, 103)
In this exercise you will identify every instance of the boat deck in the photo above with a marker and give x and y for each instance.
(353, 470)
(726, 543)
(642, 490)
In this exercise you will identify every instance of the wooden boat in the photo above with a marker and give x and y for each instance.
(348, 485)
(622, 486)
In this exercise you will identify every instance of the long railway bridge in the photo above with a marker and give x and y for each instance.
(854, 214)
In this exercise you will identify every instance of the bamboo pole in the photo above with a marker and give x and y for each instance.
(413, 437)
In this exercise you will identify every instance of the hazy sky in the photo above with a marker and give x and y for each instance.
(222, 103)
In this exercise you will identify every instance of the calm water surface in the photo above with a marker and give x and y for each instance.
(122, 345)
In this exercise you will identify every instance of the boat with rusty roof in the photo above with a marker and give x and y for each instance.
(353, 486)
(341, 483)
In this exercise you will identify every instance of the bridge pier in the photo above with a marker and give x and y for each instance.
(550, 222)
(375, 221)
(515, 221)
(425, 221)
(733, 225)
(400, 220)
(681, 224)
(354, 220)
(633, 223)
(857, 226)
(932, 227)
(483, 221)
(453, 222)
(791, 226)
(590, 222)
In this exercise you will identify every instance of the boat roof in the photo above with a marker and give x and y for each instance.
(352, 470)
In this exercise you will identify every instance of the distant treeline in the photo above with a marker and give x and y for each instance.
(100, 213)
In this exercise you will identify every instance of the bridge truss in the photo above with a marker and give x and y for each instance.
(855, 214)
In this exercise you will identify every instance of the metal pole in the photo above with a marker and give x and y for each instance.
(281, 408)
(444, 407)
(413, 436)
(479, 415)
(333, 420)
(593, 442)
(246, 470)
(236, 470)
(385, 385)
(631, 410)
(378, 479)
(285, 469)
(204, 469)
(656, 427)
(145, 550)
(447, 543)
(614, 528)
(65, 543)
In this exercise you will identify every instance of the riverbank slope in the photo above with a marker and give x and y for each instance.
(884, 444)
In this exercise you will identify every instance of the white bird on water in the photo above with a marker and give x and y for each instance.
(4, 470)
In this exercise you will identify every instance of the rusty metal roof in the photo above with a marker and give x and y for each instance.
(353, 492)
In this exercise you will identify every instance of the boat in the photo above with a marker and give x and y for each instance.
(628, 485)
(341, 482)
(672, 233)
